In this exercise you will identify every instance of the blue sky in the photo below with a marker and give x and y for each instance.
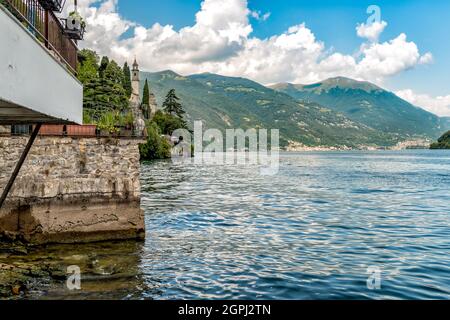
(427, 23)
(333, 24)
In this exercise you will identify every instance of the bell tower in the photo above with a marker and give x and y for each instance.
(135, 100)
(135, 82)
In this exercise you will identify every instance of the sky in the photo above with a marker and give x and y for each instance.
(400, 45)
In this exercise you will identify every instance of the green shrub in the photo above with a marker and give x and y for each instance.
(126, 120)
(168, 123)
(109, 121)
(87, 118)
(156, 147)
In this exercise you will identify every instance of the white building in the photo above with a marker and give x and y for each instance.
(37, 67)
(38, 62)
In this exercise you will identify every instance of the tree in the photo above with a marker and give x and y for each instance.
(113, 73)
(103, 65)
(146, 93)
(156, 147)
(103, 86)
(172, 106)
(87, 72)
(127, 79)
(109, 92)
(87, 66)
(443, 142)
(168, 123)
(145, 99)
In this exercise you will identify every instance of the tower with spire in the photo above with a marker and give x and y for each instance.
(140, 108)
(135, 81)
(135, 100)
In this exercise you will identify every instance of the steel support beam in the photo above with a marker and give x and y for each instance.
(19, 164)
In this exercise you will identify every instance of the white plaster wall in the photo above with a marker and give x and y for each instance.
(30, 77)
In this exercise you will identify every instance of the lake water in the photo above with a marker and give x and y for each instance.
(309, 232)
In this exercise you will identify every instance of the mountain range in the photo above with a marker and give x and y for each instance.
(336, 112)
(369, 104)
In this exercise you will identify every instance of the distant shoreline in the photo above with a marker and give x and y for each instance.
(418, 144)
(350, 149)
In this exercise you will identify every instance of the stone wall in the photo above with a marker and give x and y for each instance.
(72, 190)
(5, 130)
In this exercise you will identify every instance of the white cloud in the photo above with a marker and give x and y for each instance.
(259, 16)
(105, 24)
(220, 41)
(381, 60)
(427, 58)
(438, 105)
(371, 31)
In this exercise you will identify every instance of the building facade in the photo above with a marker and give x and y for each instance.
(144, 110)
(38, 73)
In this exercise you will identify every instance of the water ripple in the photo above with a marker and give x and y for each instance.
(308, 233)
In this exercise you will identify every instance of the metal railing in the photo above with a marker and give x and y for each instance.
(46, 28)
(53, 5)
(84, 131)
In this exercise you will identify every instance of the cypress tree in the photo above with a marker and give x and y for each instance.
(146, 93)
(145, 99)
(172, 106)
(103, 65)
(127, 79)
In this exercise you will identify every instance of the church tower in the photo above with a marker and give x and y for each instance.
(140, 109)
(135, 100)
(135, 82)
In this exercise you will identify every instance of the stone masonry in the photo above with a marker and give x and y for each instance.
(72, 190)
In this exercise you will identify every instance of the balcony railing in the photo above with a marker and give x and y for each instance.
(53, 5)
(47, 28)
(84, 131)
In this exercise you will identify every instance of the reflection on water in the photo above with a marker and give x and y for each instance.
(309, 232)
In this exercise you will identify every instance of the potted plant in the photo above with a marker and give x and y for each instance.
(108, 124)
(75, 26)
(75, 16)
(126, 124)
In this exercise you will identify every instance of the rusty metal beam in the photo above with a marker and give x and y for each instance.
(19, 164)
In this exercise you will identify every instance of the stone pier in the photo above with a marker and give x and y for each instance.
(72, 190)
